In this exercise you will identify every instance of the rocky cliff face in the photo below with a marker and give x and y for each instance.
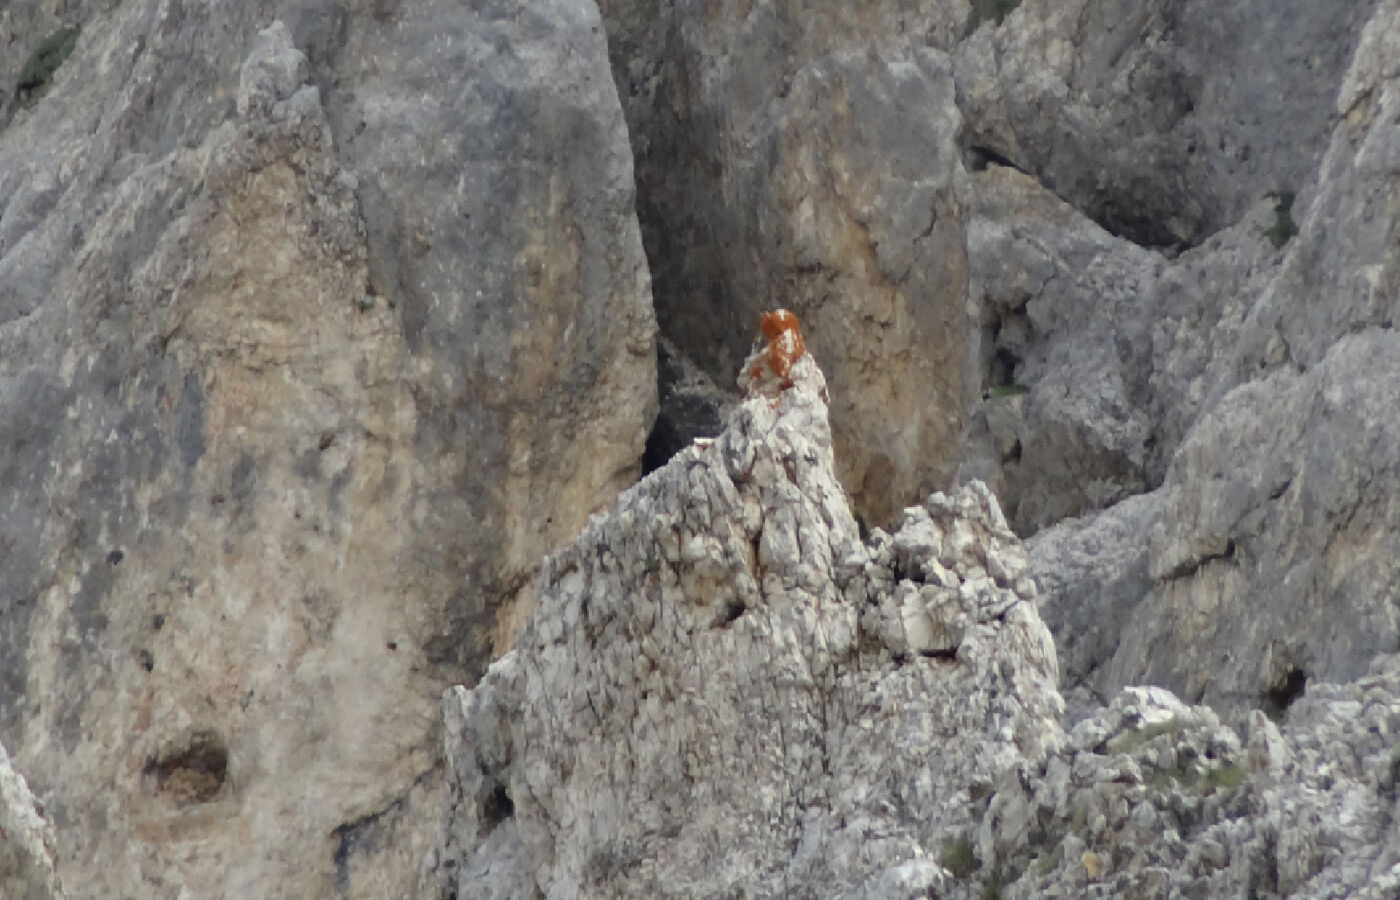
(323, 321)
(1262, 557)
(807, 158)
(725, 690)
(314, 337)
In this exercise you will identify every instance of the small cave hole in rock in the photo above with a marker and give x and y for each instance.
(949, 654)
(115, 557)
(194, 774)
(497, 807)
(731, 611)
(1288, 687)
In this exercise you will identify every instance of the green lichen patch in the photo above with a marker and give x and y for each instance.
(1131, 740)
(999, 391)
(1222, 778)
(959, 859)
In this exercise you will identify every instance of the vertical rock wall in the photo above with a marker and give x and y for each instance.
(305, 360)
(805, 156)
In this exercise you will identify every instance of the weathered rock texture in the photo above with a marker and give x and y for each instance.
(1152, 798)
(807, 158)
(27, 844)
(1161, 121)
(725, 690)
(1264, 555)
(306, 358)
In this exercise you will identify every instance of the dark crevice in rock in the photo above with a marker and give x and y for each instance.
(496, 807)
(370, 832)
(978, 157)
(730, 613)
(1189, 567)
(1288, 687)
(690, 407)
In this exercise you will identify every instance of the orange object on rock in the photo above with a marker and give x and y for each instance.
(785, 345)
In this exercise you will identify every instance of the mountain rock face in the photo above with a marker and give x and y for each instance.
(1161, 121)
(323, 322)
(1263, 554)
(723, 689)
(319, 326)
(27, 841)
(1150, 797)
(807, 158)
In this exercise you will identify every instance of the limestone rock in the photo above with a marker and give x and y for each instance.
(807, 159)
(1150, 797)
(1093, 578)
(724, 688)
(283, 428)
(1271, 557)
(27, 841)
(1099, 355)
(1163, 122)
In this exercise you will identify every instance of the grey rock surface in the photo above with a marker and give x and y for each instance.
(724, 689)
(283, 429)
(27, 841)
(1093, 576)
(1163, 122)
(1100, 355)
(1271, 560)
(1152, 798)
(807, 159)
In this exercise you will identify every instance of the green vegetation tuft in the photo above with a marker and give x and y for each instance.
(1284, 226)
(44, 61)
(958, 857)
(997, 392)
(1222, 778)
(985, 10)
(1131, 740)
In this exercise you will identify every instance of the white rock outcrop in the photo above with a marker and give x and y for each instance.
(725, 689)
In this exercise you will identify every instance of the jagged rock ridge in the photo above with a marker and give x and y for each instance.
(725, 692)
(724, 689)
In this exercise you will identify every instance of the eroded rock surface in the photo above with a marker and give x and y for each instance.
(1269, 557)
(807, 158)
(27, 841)
(1150, 797)
(724, 689)
(1163, 122)
(305, 361)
